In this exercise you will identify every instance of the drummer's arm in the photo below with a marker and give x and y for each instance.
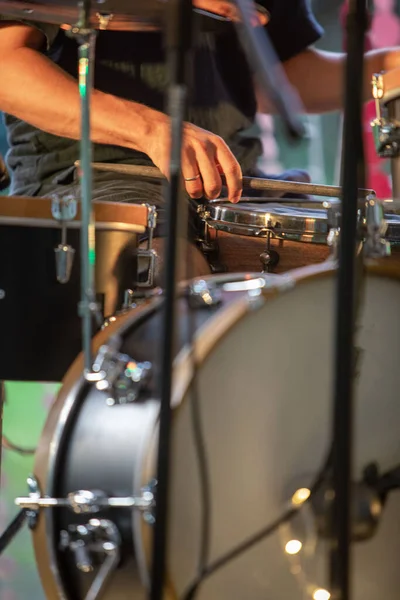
(35, 90)
(318, 77)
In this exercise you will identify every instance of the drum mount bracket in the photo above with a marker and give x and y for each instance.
(120, 376)
(99, 538)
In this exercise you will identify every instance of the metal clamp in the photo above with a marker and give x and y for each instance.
(63, 210)
(119, 375)
(98, 537)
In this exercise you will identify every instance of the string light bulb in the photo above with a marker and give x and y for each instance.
(293, 547)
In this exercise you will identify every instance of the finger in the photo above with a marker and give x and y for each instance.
(191, 174)
(232, 171)
(212, 182)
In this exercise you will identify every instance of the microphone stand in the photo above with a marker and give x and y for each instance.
(352, 179)
(179, 42)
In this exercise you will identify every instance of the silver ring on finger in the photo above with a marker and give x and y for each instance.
(193, 178)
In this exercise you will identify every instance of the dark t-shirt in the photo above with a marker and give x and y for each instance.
(132, 66)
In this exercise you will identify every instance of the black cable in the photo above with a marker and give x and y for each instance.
(8, 445)
(203, 469)
(194, 588)
(14, 527)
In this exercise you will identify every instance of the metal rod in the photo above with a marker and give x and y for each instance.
(253, 183)
(87, 307)
(178, 46)
(353, 172)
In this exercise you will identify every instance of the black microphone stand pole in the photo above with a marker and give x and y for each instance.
(179, 41)
(352, 179)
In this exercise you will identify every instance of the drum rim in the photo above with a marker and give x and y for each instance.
(242, 220)
(210, 334)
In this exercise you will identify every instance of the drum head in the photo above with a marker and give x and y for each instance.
(264, 396)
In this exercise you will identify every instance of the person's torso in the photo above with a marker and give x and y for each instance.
(132, 66)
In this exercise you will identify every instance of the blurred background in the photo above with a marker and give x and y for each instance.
(27, 404)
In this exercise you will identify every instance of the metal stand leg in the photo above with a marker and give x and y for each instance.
(88, 308)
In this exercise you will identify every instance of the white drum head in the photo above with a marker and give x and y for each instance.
(265, 397)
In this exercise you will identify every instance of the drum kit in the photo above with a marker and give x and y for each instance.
(235, 460)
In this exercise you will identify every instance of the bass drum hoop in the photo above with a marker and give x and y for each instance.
(207, 337)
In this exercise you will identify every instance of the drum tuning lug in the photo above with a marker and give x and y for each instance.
(375, 244)
(269, 260)
(121, 377)
(203, 294)
(129, 299)
(64, 262)
(97, 538)
(64, 210)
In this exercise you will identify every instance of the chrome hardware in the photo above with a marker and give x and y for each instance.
(203, 294)
(87, 502)
(2, 294)
(375, 228)
(64, 210)
(148, 253)
(119, 375)
(98, 537)
(32, 514)
(64, 261)
(104, 20)
(333, 214)
(386, 131)
(129, 297)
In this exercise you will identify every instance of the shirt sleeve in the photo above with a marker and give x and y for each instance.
(50, 31)
(292, 28)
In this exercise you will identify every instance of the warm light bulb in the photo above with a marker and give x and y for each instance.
(321, 594)
(293, 547)
(301, 496)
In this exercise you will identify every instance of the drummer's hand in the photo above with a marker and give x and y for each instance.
(204, 157)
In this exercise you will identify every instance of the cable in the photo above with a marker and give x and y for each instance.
(8, 445)
(198, 437)
(194, 588)
(12, 530)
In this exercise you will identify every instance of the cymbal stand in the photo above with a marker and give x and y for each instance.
(178, 44)
(88, 308)
(346, 306)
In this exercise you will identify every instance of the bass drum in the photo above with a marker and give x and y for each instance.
(263, 395)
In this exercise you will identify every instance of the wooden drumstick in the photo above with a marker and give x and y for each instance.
(252, 183)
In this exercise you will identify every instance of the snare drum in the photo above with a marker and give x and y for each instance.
(39, 322)
(263, 401)
(269, 236)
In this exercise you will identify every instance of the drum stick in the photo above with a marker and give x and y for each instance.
(252, 183)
